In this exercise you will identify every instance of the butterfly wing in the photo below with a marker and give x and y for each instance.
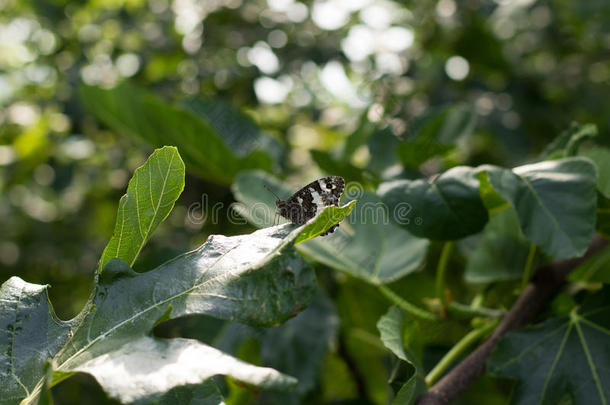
(314, 197)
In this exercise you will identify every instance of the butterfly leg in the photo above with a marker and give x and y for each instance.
(330, 230)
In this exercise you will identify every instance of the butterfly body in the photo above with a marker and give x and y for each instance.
(311, 199)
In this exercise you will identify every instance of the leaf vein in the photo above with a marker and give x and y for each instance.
(555, 362)
(591, 363)
(155, 305)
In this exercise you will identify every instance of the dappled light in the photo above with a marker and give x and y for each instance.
(304, 201)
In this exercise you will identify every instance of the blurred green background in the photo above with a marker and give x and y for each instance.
(318, 76)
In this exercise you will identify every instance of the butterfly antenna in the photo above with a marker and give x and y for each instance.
(271, 191)
(276, 196)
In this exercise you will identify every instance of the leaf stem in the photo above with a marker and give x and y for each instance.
(405, 305)
(469, 311)
(529, 265)
(458, 350)
(440, 272)
(533, 298)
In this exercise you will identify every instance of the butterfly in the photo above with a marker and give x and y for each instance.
(311, 199)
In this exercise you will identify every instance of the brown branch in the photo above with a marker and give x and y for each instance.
(544, 285)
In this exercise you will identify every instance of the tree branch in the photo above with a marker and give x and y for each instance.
(545, 284)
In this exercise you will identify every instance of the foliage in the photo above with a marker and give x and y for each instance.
(256, 279)
(214, 154)
(563, 356)
(365, 246)
(473, 138)
(390, 329)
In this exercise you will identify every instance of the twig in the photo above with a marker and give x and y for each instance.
(460, 348)
(440, 274)
(406, 306)
(544, 285)
(459, 310)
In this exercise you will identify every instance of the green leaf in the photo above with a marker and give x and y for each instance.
(201, 394)
(150, 197)
(390, 329)
(594, 269)
(366, 245)
(601, 157)
(567, 143)
(555, 201)
(342, 168)
(298, 348)
(45, 396)
(436, 134)
(491, 199)
(237, 130)
(30, 333)
(143, 368)
(449, 208)
(137, 113)
(257, 279)
(562, 356)
(327, 218)
(502, 251)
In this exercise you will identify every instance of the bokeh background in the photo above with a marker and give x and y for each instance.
(315, 75)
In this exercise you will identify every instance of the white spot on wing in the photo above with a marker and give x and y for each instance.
(317, 200)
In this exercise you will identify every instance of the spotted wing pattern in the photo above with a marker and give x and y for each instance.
(311, 199)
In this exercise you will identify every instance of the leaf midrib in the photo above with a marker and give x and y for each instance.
(155, 305)
(532, 346)
(555, 362)
(267, 257)
(545, 209)
(444, 200)
(590, 362)
(27, 392)
(155, 209)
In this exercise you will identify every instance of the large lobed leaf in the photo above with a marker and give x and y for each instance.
(145, 368)
(257, 279)
(137, 113)
(555, 201)
(448, 208)
(30, 333)
(366, 245)
(563, 357)
(216, 279)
